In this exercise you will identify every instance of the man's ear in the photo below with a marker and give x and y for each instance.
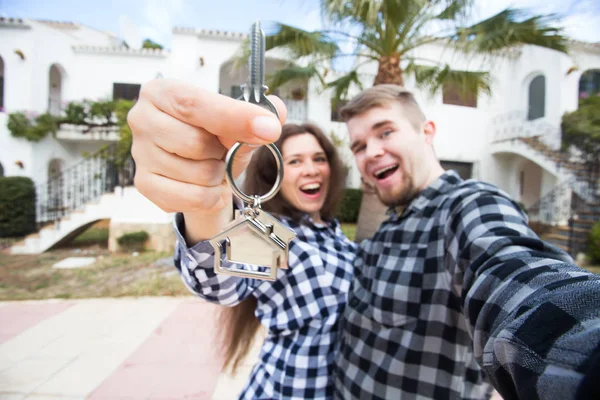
(429, 129)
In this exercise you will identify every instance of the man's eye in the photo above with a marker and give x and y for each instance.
(358, 149)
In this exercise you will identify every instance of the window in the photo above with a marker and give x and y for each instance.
(464, 169)
(126, 91)
(335, 109)
(236, 92)
(589, 84)
(537, 98)
(451, 94)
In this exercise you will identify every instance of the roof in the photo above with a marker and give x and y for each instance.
(64, 25)
(120, 50)
(209, 33)
(13, 23)
(587, 46)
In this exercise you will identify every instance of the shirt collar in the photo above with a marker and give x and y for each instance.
(441, 185)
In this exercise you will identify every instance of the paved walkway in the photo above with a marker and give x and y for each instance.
(148, 348)
(113, 349)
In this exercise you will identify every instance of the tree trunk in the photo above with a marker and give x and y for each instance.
(389, 71)
(372, 211)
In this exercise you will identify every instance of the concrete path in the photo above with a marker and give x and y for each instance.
(114, 349)
(148, 348)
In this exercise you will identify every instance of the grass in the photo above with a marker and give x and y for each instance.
(349, 230)
(25, 277)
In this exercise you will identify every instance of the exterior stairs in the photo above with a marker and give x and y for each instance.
(68, 227)
(73, 199)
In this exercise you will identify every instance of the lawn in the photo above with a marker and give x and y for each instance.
(112, 275)
(349, 230)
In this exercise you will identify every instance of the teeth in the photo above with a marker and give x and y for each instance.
(311, 186)
(380, 172)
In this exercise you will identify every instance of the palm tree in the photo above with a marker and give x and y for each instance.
(389, 31)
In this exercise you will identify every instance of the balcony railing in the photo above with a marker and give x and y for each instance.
(80, 133)
(81, 183)
(514, 125)
(296, 109)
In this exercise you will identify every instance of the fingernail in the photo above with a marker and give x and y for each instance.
(266, 128)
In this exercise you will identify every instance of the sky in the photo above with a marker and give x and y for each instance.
(154, 19)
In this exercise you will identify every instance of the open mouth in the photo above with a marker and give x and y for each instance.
(311, 188)
(385, 172)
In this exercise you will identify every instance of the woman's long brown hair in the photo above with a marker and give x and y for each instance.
(239, 322)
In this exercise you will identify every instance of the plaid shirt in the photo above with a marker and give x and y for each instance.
(458, 288)
(301, 308)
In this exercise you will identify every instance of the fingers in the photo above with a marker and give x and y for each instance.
(173, 135)
(210, 172)
(220, 115)
(175, 196)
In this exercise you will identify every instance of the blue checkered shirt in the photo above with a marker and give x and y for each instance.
(301, 309)
(457, 291)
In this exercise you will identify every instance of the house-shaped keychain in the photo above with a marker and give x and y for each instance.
(252, 241)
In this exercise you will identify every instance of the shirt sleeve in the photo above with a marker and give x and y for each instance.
(196, 267)
(533, 315)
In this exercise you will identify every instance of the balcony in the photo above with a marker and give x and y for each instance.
(77, 133)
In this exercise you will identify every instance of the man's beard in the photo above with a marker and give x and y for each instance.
(400, 198)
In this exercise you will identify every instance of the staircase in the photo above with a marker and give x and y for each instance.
(71, 201)
(565, 215)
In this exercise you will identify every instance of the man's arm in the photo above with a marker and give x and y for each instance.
(533, 315)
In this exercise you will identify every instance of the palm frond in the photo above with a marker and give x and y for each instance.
(301, 43)
(455, 9)
(509, 29)
(342, 85)
(434, 78)
(292, 73)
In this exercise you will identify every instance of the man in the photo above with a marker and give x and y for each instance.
(456, 289)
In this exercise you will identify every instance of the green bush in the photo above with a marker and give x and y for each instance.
(350, 205)
(594, 243)
(17, 206)
(133, 240)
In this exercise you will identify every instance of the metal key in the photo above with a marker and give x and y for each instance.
(254, 244)
(254, 89)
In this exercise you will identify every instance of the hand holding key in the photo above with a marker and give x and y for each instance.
(181, 134)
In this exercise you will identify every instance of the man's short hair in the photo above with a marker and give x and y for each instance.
(381, 96)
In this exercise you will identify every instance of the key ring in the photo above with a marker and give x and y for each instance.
(254, 200)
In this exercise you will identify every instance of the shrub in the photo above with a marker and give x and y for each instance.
(594, 243)
(350, 205)
(133, 240)
(17, 206)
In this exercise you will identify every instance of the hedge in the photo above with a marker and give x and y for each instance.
(17, 206)
(133, 240)
(350, 206)
(594, 243)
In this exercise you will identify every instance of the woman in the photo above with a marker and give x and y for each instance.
(301, 308)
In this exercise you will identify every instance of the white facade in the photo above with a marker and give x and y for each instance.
(47, 64)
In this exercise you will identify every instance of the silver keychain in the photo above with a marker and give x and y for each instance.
(255, 244)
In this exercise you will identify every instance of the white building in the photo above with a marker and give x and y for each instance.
(45, 64)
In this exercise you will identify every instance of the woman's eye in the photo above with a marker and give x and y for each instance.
(320, 159)
(386, 133)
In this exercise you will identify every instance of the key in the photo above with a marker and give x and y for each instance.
(254, 244)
